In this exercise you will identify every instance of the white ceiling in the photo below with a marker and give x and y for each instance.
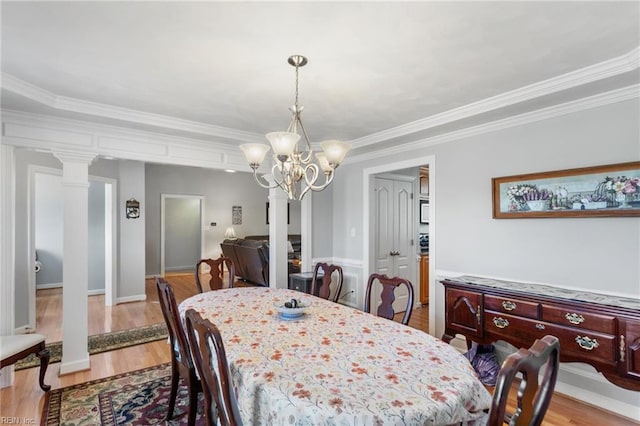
(217, 70)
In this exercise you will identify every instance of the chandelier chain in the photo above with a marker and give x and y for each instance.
(296, 103)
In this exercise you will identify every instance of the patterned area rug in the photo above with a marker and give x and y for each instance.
(135, 398)
(104, 342)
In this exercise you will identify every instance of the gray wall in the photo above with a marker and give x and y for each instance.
(128, 263)
(322, 223)
(131, 285)
(96, 236)
(221, 191)
(597, 254)
(182, 235)
(48, 209)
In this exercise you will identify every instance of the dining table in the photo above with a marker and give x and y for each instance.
(336, 365)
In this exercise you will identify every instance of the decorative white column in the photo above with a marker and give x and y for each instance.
(75, 270)
(7, 250)
(278, 267)
(306, 231)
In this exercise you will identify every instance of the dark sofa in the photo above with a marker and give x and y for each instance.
(251, 259)
(295, 239)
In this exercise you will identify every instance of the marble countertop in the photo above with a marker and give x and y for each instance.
(547, 290)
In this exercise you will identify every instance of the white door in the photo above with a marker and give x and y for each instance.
(394, 227)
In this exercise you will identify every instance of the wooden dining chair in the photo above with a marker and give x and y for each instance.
(533, 396)
(327, 278)
(216, 270)
(387, 297)
(210, 359)
(181, 362)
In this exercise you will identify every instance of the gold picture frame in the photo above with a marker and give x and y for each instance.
(599, 191)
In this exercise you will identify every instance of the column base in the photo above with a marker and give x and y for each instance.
(73, 366)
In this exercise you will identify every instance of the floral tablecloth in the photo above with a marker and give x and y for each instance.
(336, 365)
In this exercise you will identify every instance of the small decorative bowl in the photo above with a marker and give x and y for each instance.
(292, 313)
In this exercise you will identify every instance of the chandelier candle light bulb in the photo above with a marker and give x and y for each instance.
(293, 170)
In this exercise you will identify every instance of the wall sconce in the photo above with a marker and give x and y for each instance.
(132, 208)
(230, 233)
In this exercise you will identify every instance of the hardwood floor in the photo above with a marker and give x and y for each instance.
(25, 399)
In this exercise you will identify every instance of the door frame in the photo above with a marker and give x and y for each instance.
(163, 198)
(367, 186)
(111, 235)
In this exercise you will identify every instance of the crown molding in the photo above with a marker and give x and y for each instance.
(44, 97)
(55, 134)
(634, 58)
(612, 67)
(595, 101)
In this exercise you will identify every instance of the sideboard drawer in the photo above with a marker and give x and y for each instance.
(580, 319)
(574, 342)
(511, 306)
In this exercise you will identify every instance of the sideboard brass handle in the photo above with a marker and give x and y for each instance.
(623, 346)
(587, 343)
(478, 314)
(508, 305)
(574, 318)
(540, 326)
(500, 322)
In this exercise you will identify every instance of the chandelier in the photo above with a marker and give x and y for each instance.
(294, 170)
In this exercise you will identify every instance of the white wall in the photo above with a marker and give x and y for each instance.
(594, 254)
(221, 191)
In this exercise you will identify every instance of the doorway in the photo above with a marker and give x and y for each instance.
(181, 232)
(368, 240)
(45, 227)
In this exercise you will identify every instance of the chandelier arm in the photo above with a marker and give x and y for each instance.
(282, 182)
(305, 159)
(327, 182)
(313, 168)
(259, 180)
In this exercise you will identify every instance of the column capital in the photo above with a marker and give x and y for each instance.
(75, 157)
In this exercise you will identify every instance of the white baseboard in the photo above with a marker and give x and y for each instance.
(6, 376)
(25, 329)
(59, 285)
(178, 268)
(590, 394)
(136, 298)
(150, 277)
(50, 285)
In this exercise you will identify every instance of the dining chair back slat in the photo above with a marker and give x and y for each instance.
(533, 396)
(216, 270)
(327, 278)
(387, 296)
(210, 359)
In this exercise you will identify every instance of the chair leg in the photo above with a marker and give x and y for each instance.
(44, 356)
(175, 377)
(193, 403)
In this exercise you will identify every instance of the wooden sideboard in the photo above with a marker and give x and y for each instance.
(597, 329)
